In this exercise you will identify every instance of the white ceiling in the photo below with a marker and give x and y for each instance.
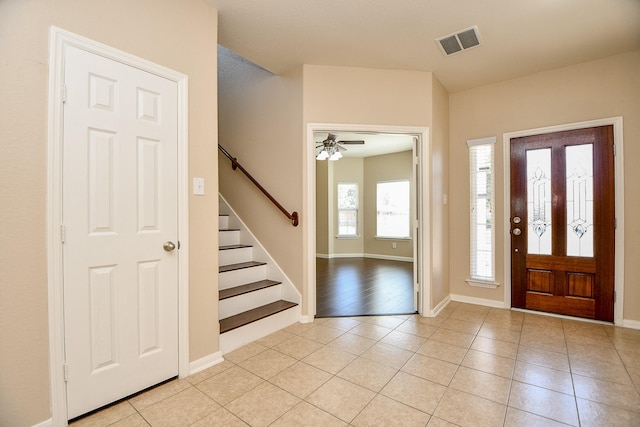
(376, 144)
(519, 37)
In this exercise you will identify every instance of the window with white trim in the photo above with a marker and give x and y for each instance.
(393, 200)
(482, 231)
(347, 209)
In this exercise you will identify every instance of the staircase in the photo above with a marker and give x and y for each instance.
(255, 297)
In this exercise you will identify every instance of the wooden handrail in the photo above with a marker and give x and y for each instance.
(293, 217)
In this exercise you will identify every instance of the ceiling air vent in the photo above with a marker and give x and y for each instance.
(462, 40)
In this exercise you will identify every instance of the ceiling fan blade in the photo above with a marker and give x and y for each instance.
(352, 142)
(341, 148)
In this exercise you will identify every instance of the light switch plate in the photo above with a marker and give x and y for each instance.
(198, 186)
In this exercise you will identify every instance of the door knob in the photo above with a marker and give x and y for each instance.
(516, 231)
(168, 246)
(516, 220)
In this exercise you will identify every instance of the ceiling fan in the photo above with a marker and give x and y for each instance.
(331, 148)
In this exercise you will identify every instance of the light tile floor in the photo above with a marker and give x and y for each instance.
(470, 366)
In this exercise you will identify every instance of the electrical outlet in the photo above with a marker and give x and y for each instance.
(393, 245)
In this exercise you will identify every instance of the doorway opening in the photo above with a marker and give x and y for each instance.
(366, 223)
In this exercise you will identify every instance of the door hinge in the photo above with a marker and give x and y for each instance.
(615, 223)
(63, 232)
(65, 369)
(64, 93)
(615, 296)
(614, 149)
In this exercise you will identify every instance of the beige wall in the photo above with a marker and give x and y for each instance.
(177, 34)
(366, 96)
(439, 185)
(389, 167)
(600, 89)
(322, 207)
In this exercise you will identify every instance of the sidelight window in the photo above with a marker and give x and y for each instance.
(482, 230)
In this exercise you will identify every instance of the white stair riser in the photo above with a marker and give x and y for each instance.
(235, 256)
(227, 238)
(223, 222)
(230, 306)
(229, 279)
(236, 338)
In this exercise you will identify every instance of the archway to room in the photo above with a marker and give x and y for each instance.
(366, 217)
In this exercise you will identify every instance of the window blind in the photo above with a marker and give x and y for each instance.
(482, 220)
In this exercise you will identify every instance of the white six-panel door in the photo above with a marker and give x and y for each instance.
(119, 209)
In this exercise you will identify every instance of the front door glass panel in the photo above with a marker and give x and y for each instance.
(580, 230)
(539, 201)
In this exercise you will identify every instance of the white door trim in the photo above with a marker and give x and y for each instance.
(58, 41)
(309, 203)
(619, 204)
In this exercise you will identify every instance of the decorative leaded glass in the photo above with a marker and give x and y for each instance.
(579, 166)
(539, 201)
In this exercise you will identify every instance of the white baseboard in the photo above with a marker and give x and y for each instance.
(478, 301)
(362, 255)
(206, 362)
(306, 319)
(631, 324)
(438, 308)
(389, 257)
(46, 423)
(354, 255)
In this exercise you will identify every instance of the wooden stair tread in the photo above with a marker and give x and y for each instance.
(227, 247)
(241, 319)
(245, 289)
(240, 265)
(229, 229)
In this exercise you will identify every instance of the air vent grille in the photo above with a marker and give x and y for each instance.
(462, 40)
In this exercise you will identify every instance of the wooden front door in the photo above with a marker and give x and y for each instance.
(563, 222)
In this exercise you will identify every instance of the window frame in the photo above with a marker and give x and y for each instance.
(357, 210)
(488, 198)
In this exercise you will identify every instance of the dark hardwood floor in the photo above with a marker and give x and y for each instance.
(363, 286)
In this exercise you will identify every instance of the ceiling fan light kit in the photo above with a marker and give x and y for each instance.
(331, 149)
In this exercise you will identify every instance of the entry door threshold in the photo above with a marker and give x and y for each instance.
(561, 316)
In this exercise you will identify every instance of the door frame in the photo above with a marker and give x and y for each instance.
(619, 203)
(422, 209)
(59, 39)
